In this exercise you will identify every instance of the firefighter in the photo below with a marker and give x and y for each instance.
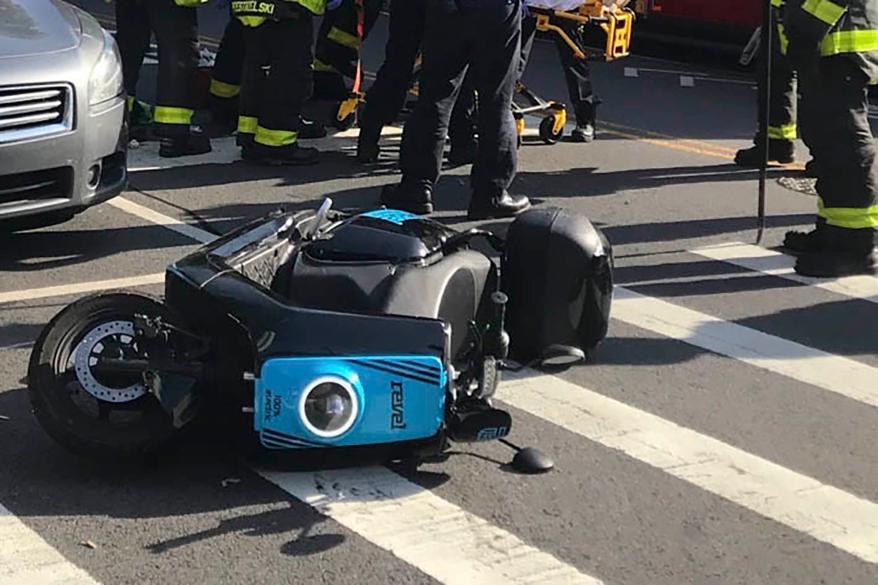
(833, 45)
(278, 34)
(577, 72)
(782, 128)
(386, 96)
(225, 85)
(175, 25)
(484, 35)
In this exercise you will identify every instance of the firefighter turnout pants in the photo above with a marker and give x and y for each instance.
(577, 72)
(486, 39)
(784, 91)
(834, 119)
(225, 84)
(271, 104)
(176, 31)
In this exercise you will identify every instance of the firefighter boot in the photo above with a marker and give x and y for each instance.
(186, 144)
(414, 198)
(845, 252)
(779, 151)
(311, 130)
(498, 206)
(277, 156)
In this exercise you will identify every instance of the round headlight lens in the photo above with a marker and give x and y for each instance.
(105, 81)
(328, 407)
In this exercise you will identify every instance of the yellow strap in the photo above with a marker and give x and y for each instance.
(222, 89)
(323, 67)
(269, 137)
(849, 41)
(824, 10)
(247, 124)
(785, 132)
(343, 38)
(783, 39)
(853, 218)
(169, 115)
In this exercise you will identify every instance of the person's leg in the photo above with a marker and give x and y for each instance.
(225, 84)
(496, 34)
(577, 75)
(528, 34)
(288, 86)
(132, 37)
(386, 96)
(252, 86)
(464, 124)
(442, 73)
(835, 110)
(176, 30)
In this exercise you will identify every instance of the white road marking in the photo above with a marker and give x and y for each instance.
(166, 221)
(687, 81)
(837, 374)
(631, 72)
(26, 559)
(225, 151)
(433, 535)
(781, 265)
(823, 512)
(80, 288)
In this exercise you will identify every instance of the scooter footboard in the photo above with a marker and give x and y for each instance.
(311, 402)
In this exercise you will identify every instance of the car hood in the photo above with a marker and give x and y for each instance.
(33, 27)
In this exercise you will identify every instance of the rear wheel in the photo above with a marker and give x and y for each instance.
(547, 130)
(91, 412)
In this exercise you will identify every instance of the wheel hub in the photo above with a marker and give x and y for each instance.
(114, 340)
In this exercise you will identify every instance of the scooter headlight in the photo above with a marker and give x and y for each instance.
(328, 407)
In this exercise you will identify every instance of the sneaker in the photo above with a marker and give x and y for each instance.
(503, 205)
(190, 144)
(582, 133)
(779, 151)
(277, 156)
(414, 199)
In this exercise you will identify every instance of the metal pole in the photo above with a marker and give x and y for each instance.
(765, 98)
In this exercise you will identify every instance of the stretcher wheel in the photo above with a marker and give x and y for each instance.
(92, 413)
(547, 130)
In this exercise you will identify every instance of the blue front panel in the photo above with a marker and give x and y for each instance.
(401, 398)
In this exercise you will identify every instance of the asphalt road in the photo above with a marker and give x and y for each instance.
(726, 434)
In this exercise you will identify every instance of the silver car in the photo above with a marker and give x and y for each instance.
(63, 134)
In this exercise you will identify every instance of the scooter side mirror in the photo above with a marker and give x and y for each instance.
(560, 357)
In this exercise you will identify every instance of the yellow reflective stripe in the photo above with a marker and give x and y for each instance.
(130, 102)
(853, 218)
(269, 137)
(169, 115)
(824, 10)
(785, 132)
(323, 67)
(247, 124)
(223, 89)
(251, 21)
(849, 41)
(783, 39)
(777, 3)
(343, 38)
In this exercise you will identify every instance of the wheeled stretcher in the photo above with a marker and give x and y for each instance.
(557, 17)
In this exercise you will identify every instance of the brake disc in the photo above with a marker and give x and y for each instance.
(118, 334)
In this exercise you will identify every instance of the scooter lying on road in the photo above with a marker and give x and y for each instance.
(315, 330)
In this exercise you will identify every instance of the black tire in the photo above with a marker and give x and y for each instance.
(60, 407)
(344, 124)
(547, 130)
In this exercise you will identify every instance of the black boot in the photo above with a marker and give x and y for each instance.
(195, 142)
(779, 151)
(845, 252)
(290, 155)
(503, 205)
(311, 130)
(417, 199)
(805, 242)
(367, 145)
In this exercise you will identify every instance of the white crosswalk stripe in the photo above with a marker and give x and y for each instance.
(444, 541)
(26, 559)
(841, 375)
(800, 502)
(774, 263)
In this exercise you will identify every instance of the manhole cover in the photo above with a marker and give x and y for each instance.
(799, 184)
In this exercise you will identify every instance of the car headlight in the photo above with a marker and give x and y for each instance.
(328, 407)
(105, 81)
